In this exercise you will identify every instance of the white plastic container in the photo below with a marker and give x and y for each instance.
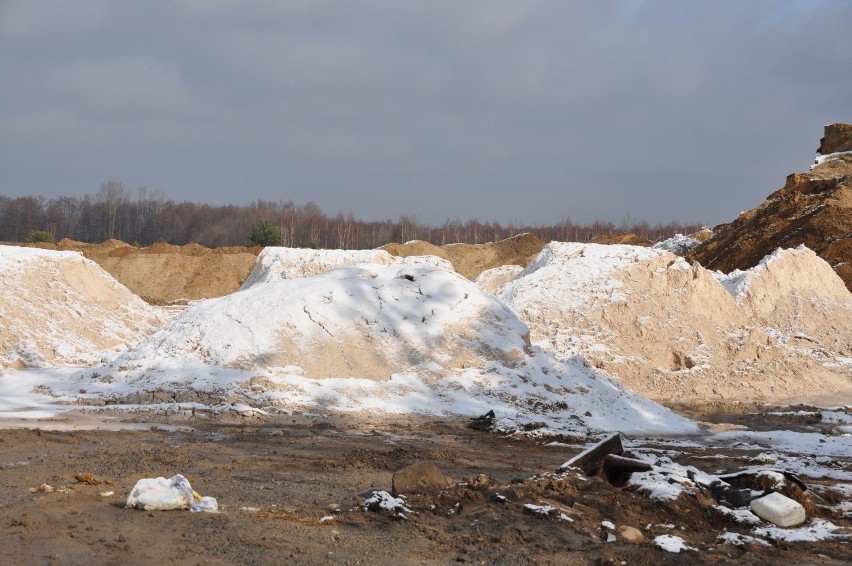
(779, 509)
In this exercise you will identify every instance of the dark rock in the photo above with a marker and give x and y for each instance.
(618, 469)
(483, 422)
(838, 137)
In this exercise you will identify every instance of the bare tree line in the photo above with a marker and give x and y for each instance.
(145, 216)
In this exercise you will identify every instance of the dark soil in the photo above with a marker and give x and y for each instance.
(275, 483)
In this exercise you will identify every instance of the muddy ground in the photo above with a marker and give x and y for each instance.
(291, 491)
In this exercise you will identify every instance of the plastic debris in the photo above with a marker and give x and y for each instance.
(779, 509)
(483, 422)
(161, 494)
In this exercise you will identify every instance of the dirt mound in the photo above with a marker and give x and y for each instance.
(673, 333)
(472, 259)
(162, 278)
(60, 308)
(626, 238)
(813, 208)
(163, 273)
(413, 248)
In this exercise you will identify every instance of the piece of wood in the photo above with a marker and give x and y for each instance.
(591, 459)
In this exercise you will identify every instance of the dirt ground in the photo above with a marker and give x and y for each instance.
(291, 491)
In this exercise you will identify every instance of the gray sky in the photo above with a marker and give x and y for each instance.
(527, 111)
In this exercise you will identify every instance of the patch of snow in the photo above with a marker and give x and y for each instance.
(678, 244)
(836, 417)
(820, 159)
(544, 510)
(671, 543)
(744, 516)
(790, 441)
(819, 529)
(382, 500)
(740, 540)
(666, 481)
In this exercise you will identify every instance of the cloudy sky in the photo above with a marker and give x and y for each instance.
(528, 111)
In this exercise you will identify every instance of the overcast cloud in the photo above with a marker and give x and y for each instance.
(527, 111)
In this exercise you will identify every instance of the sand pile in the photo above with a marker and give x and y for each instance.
(813, 208)
(491, 280)
(163, 273)
(58, 308)
(367, 321)
(395, 338)
(277, 264)
(626, 238)
(798, 296)
(472, 259)
(673, 333)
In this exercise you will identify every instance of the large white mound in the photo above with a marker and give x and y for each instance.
(673, 333)
(373, 338)
(275, 263)
(58, 308)
(367, 321)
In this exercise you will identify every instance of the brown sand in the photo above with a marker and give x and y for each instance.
(163, 273)
(472, 259)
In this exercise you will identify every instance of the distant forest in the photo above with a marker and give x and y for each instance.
(144, 216)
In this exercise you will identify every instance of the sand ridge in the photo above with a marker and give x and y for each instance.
(673, 332)
(59, 308)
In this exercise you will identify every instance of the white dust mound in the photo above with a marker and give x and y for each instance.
(58, 308)
(492, 279)
(366, 321)
(277, 263)
(673, 333)
(394, 338)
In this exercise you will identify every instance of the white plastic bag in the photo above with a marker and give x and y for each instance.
(161, 494)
